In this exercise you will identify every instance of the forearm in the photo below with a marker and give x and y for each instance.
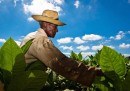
(73, 70)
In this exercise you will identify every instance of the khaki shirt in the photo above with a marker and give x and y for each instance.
(44, 50)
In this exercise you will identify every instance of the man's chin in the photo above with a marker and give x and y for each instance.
(52, 36)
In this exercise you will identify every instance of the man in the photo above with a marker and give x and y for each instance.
(44, 50)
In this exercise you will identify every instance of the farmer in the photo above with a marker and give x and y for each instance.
(44, 50)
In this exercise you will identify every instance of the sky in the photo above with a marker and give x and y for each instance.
(90, 24)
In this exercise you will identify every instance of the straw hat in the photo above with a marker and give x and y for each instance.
(48, 16)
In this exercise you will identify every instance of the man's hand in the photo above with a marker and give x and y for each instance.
(99, 72)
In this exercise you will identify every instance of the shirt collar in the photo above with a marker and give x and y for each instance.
(41, 32)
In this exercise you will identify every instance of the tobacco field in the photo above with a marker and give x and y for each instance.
(16, 76)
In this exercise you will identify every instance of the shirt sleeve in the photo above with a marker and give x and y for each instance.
(43, 49)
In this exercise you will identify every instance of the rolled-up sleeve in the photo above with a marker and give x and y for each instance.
(43, 49)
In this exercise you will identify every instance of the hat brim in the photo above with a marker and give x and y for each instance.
(47, 19)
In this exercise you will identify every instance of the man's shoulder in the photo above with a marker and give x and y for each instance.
(28, 37)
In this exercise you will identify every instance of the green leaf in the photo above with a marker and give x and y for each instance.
(110, 60)
(102, 87)
(73, 56)
(11, 60)
(32, 80)
(115, 80)
(80, 56)
(26, 46)
(36, 65)
(126, 82)
(10, 55)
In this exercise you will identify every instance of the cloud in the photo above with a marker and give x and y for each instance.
(84, 54)
(2, 40)
(67, 53)
(119, 36)
(128, 1)
(18, 42)
(123, 45)
(15, 2)
(64, 40)
(111, 46)
(92, 37)
(78, 40)
(128, 32)
(37, 6)
(83, 48)
(99, 47)
(66, 47)
(126, 55)
(1, 1)
(30, 19)
(59, 2)
(76, 4)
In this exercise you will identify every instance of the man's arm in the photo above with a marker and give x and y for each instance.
(43, 49)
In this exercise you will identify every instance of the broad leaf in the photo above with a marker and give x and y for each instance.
(126, 82)
(36, 65)
(115, 80)
(32, 80)
(110, 60)
(11, 60)
(11, 56)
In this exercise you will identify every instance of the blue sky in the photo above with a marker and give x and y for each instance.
(90, 23)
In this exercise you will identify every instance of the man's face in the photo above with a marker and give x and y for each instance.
(50, 29)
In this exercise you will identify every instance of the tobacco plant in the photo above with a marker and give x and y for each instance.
(17, 76)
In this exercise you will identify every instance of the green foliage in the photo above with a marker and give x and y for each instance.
(126, 82)
(16, 76)
(32, 80)
(110, 60)
(13, 73)
(26, 47)
(11, 60)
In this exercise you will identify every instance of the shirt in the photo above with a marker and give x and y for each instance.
(44, 50)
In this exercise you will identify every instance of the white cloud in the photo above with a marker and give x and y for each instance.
(111, 46)
(2, 40)
(60, 2)
(66, 47)
(18, 42)
(91, 37)
(123, 45)
(83, 48)
(87, 53)
(37, 6)
(78, 40)
(128, 32)
(67, 53)
(64, 40)
(119, 36)
(99, 47)
(126, 55)
(15, 2)
(76, 4)
(30, 19)
(111, 37)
